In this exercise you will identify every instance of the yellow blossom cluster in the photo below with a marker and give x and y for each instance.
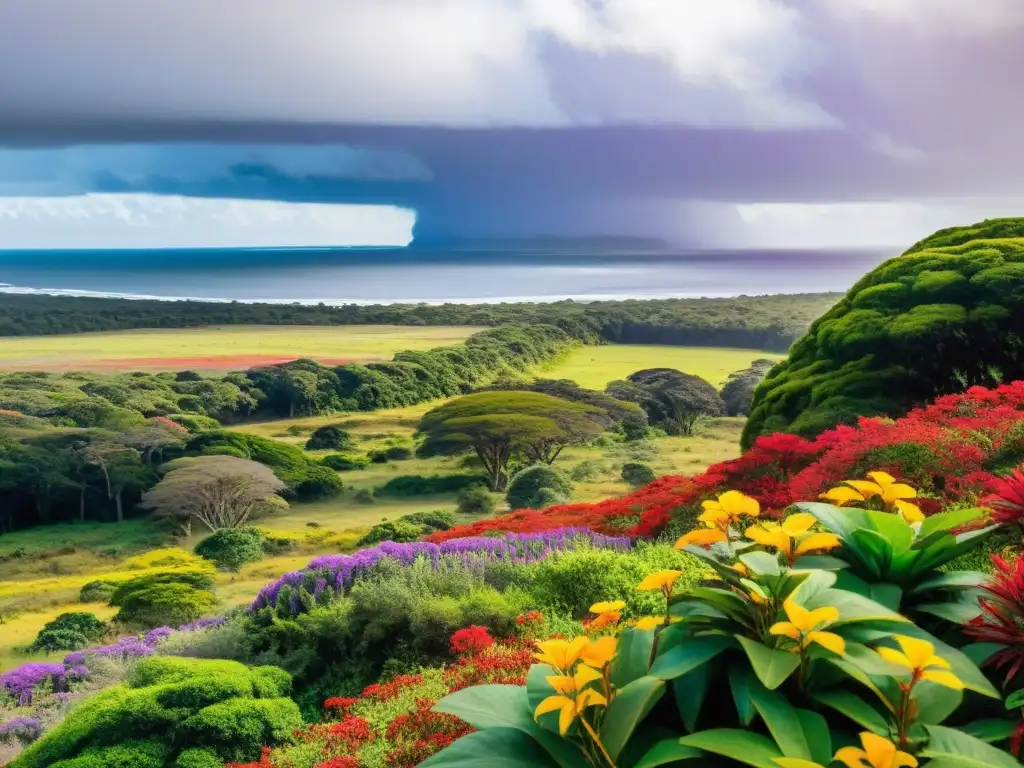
(880, 485)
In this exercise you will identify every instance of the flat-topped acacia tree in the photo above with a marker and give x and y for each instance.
(500, 425)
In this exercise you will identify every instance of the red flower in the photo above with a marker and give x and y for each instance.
(339, 703)
(342, 761)
(471, 640)
(1002, 618)
(1007, 498)
(263, 762)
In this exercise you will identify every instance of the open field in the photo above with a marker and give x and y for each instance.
(220, 348)
(594, 367)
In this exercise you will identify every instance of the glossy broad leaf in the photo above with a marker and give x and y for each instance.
(772, 667)
(817, 734)
(690, 692)
(665, 752)
(492, 748)
(627, 710)
(782, 721)
(742, 746)
(856, 709)
(739, 682)
(689, 655)
(632, 656)
(950, 747)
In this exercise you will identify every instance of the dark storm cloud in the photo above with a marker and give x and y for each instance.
(517, 115)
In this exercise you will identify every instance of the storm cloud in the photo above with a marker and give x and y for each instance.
(522, 116)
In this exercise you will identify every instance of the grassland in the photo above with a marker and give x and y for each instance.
(220, 348)
(594, 367)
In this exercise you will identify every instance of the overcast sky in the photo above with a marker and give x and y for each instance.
(288, 122)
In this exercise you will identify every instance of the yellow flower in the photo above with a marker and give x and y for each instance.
(878, 752)
(919, 658)
(561, 654)
(650, 622)
(841, 495)
(606, 619)
(662, 580)
(567, 684)
(608, 606)
(806, 627)
(911, 513)
(729, 506)
(569, 708)
(883, 485)
(741, 569)
(702, 537)
(792, 537)
(599, 652)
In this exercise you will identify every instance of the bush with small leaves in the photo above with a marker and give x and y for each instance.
(637, 475)
(96, 591)
(345, 462)
(537, 487)
(173, 713)
(328, 437)
(364, 496)
(391, 453)
(231, 548)
(69, 632)
(476, 500)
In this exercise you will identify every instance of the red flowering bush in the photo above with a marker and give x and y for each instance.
(263, 762)
(471, 640)
(419, 734)
(1007, 498)
(948, 449)
(1002, 618)
(389, 690)
(339, 703)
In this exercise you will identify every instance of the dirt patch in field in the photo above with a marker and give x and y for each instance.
(201, 363)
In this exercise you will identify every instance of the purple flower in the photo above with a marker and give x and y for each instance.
(125, 648)
(79, 672)
(339, 572)
(154, 636)
(22, 681)
(74, 658)
(213, 621)
(24, 729)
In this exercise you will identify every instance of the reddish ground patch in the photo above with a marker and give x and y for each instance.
(201, 363)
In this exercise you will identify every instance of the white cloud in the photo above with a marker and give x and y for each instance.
(947, 18)
(862, 225)
(451, 62)
(155, 221)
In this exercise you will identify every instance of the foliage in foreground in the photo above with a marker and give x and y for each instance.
(169, 706)
(950, 450)
(817, 674)
(960, 298)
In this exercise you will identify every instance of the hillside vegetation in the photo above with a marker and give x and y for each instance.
(946, 315)
(757, 322)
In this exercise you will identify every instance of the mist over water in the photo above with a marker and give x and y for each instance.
(346, 275)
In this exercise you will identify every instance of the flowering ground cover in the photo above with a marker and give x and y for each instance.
(952, 450)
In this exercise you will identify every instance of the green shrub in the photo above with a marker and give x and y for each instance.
(420, 485)
(637, 475)
(231, 548)
(364, 496)
(173, 712)
(168, 604)
(475, 500)
(589, 469)
(526, 491)
(192, 578)
(194, 423)
(391, 453)
(409, 527)
(96, 591)
(345, 462)
(329, 437)
(570, 582)
(69, 632)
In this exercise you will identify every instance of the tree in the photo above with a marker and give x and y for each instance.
(153, 439)
(500, 425)
(672, 399)
(221, 491)
(945, 316)
(121, 466)
(738, 391)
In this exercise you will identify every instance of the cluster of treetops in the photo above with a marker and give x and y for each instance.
(125, 445)
(758, 322)
(946, 315)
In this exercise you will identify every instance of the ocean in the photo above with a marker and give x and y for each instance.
(384, 275)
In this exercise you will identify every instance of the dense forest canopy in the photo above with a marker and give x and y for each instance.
(759, 322)
(945, 316)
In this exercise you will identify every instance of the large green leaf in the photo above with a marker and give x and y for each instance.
(511, 706)
(953, 748)
(665, 752)
(962, 610)
(690, 691)
(990, 731)
(820, 563)
(782, 721)
(492, 748)
(627, 710)
(761, 563)
(951, 580)
(853, 607)
(855, 708)
(944, 521)
(743, 746)
(689, 655)
(885, 594)
(817, 735)
(632, 656)
(947, 548)
(772, 667)
(740, 679)
(935, 702)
